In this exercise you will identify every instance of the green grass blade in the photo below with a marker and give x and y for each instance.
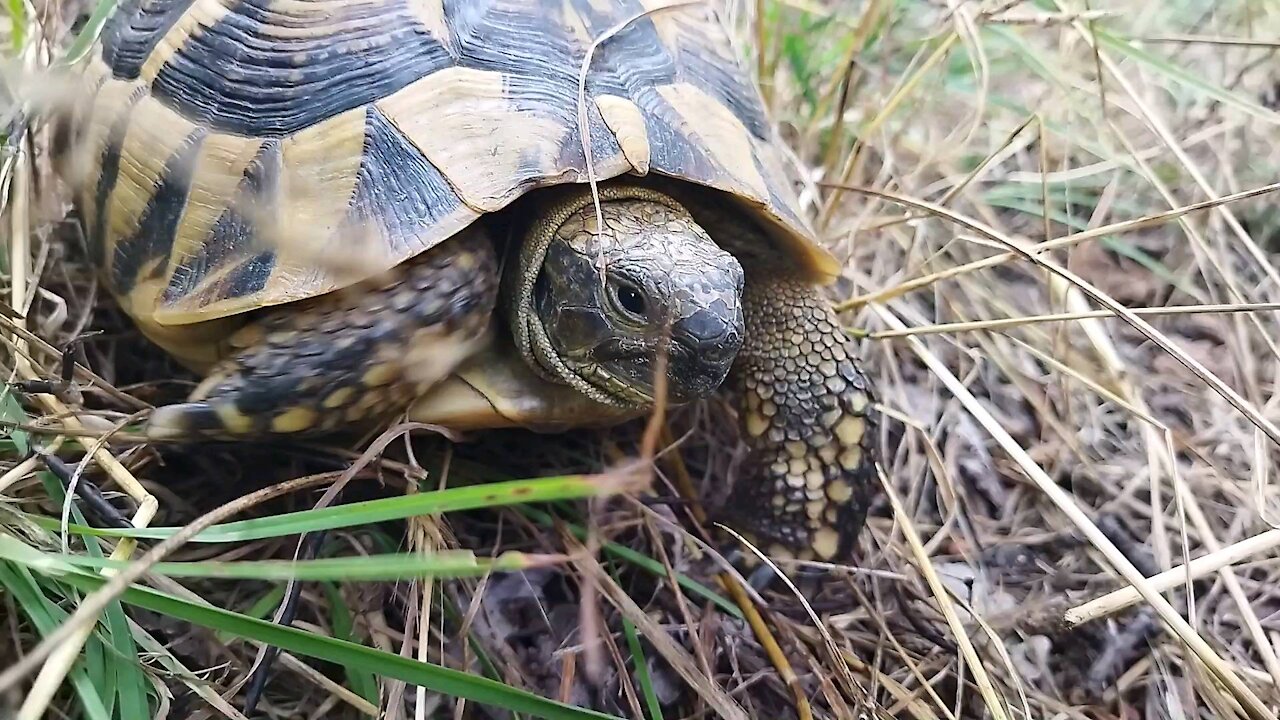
(400, 566)
(111, 653)
(46, 616)
(567, 487)
(11, 412)
(643, 677)
(1187, 78)
(131, 683)
(17, 11)
(362, 682)
(433, 677)
(121, 653)
(261, 608)
(89, 33)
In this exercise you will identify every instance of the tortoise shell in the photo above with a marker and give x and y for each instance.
(236, 147)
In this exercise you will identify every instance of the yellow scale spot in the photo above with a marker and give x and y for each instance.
(282, 337)
(779, 552)
(294, 420)
(859, 402)
(232, 419)
(825, 542)
(379, 375)
(814, 478)
(827, 453)
(798, 467)
(814, 509)
(850, 430)
(850, 459)
(795, 480)
(756, 424)
(339, 397)
(365, 405)
(839, 491)
(797, 449)
(247, 336)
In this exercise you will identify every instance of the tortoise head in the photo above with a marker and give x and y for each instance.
(595, 306)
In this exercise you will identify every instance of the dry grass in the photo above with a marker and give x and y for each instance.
(1060, 235)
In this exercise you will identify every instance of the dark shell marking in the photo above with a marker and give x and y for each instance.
(450, 108)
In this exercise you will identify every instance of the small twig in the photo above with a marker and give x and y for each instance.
(95, 502)
(1208, 40)
(1207, 564)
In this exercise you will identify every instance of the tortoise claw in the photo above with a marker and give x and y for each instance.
(186, 421)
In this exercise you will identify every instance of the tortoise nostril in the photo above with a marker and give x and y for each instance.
(708, 326)
(710, 338)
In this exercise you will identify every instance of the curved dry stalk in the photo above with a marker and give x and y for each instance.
(995, 703)
(584, 127)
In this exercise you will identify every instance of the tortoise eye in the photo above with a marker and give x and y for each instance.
(629, 299)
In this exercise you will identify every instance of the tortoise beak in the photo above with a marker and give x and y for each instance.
(704, 346)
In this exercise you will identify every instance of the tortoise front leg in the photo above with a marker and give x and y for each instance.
(806, 414)
(349, 357)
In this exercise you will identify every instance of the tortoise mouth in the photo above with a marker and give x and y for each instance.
(691, 371)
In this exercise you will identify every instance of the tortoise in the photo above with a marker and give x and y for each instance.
(483, 214)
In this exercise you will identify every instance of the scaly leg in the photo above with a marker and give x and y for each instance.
(348, 357)
(806, 414)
